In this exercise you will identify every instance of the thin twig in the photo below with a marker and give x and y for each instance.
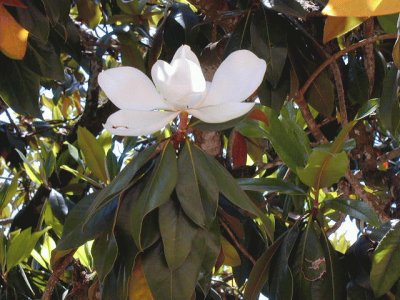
(337, 55)
(58, 270)
(6, 221)
(238, 245)
(395, 153)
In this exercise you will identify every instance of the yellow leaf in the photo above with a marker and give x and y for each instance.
(231, 256)
(13, 37)
(396, 53)
(89, 12)
(361, 8)
(138, 287)
(338, 26)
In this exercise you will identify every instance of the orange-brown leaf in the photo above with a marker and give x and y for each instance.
(338, 26)
(238, 150)
(138, 286)
(259, 115)
(13, 37)
(361, 8)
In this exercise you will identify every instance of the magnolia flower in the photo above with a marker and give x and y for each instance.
(180, 87)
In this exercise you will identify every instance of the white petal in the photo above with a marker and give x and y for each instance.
(222, 112)
(135, 122)
(181, 83)
(129, 88)
(236, 79)
(184, 51)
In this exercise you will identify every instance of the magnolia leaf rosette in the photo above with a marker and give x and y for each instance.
(164, 207)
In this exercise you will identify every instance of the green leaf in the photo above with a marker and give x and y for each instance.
(389, 109)
(287, 137)
(180, 283)
(358, 83)
(81, 176)
(260, 273)
(157, 191)
(282, 281)
(354, 208)
(327, 163)
(269, 41)
(270, 185)
(33, 19)
(367, 108)
(208, 188)
(321, 94)
(8, 191)
(177, 233)
(19, 87)
(104, 251)
(93, 153)
(21, 246)
(78, 230)
(89, 12)
(111, 165)
(388, 22)
(232, 191)
(310, 266)
(42, 58)
(122, 180)
(385, 262)
(116, 284)
(187, 187)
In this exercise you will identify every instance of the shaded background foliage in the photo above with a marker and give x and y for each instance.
(86, 215)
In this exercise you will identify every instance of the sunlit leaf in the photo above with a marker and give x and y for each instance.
(93, 153)
(385, 262)
(361, 8)
(13, 37)
(353, 208)
(338, 26)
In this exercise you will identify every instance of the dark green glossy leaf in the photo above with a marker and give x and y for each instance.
(231, 190)
(269, 41)
(385, 262)
(42, 59)
(260, 273)
(187, 187)
(19, 87)
(33, 19)
(354, 208)
(321, 94)
(122, 180)
(282, 279)
(112, 167)
(290, 7)
(358, 84)
(177, 233)
(275, 97)
(211, 238)
(157, 191)
(172, 285)
(309, 268)
(77, 230)
(389, 109)
(104, 252)
(271, 185)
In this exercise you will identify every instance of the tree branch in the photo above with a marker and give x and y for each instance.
(58, 270)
